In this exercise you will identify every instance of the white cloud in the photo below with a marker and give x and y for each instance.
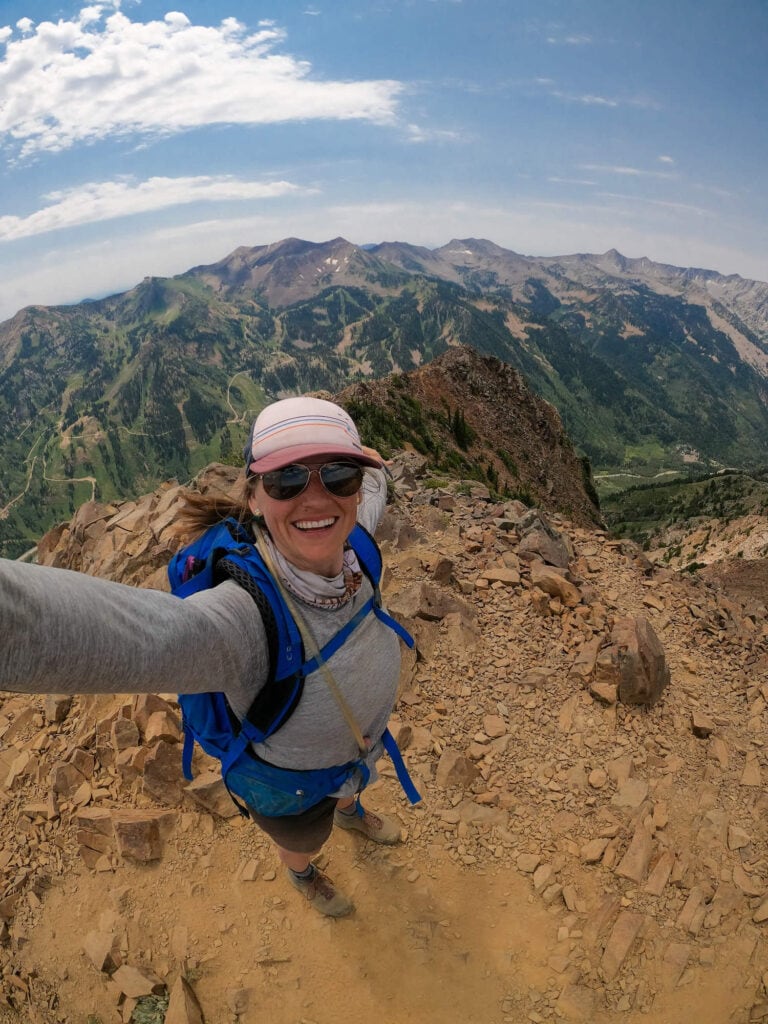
(666, 159)
(666, 204)
(589, 99)
(575, 39)
(571, 181)
(83, 80)
(633, 172)
(106, 200)
(416, 133)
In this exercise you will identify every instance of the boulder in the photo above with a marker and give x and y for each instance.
(209, 791)
(634, 662)
(555, 584)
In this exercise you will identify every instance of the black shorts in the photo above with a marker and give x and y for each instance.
(300, 833)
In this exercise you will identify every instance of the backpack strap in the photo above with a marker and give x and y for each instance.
(369, 556)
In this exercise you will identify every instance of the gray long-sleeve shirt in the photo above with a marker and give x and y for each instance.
(66, 632)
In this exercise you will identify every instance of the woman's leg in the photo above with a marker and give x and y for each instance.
(298, 862)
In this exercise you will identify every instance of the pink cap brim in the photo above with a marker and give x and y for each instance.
(300, 452)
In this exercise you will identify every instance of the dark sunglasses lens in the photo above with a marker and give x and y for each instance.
(342, 478)
(285, 483)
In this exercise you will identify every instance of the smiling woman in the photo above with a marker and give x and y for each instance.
(291, 565)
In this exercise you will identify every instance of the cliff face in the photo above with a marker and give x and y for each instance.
(475, 414)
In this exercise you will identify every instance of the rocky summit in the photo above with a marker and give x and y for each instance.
(587, 730)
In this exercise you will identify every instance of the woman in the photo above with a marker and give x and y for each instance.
(310, 480)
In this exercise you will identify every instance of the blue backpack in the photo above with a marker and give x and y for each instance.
(227, 551)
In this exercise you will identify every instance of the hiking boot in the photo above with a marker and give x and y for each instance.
(322, 894)
(373, 826)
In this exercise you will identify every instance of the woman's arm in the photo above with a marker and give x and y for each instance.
(374, 499)
(65, 632)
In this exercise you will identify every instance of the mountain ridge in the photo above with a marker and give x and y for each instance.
(113, 395)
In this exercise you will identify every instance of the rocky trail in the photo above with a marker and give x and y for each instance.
(576, 856)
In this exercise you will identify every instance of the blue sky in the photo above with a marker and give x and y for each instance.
(144, 138)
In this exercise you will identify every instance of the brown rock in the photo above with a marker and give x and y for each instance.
(183, 1006)
(101, 948)
(620, 941)
(429, 602)
(509, 577)
(541, 541)
(162, 773)
(718, 751)
(145, 705)
(162, 725)
(576, 1003)
(586, 658)
(553, 583)
(209, 791)
(752, 776)
(750, 885)
(637, 661)
(135, 982)
(138, 835)
(694, 911)
(95, 820)
(701, 726)
(676, 957)
(66, 779)
(528, 862)
(592, 852)
(660, 874)
(604, 693)
(634, 863)
(630, 794)
(124, 734)
(83, 761)
(494, 726)
(56, 706)
(454, 769)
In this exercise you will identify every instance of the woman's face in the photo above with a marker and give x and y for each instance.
(309, 530)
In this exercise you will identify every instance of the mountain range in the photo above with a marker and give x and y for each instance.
(651, 367)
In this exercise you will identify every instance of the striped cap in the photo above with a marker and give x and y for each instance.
(301, 428)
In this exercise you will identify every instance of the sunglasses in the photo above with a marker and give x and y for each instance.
(342, 479)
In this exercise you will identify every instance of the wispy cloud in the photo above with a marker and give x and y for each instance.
(417, 133)
(102, 74)
(571, 181)
(664, 159)
(665, 204)
(632, 172)
(106, 200)
(589, 99)
(573, 39)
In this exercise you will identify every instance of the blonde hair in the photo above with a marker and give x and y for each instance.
(199, 510)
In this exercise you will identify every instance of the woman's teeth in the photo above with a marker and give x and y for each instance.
(314, 524)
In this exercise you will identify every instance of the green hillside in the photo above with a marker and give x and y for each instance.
(107, 398)
(642, 512)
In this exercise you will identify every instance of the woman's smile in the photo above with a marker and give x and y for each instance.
(309, 530)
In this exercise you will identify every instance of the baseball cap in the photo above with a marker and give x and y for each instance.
(300, 428)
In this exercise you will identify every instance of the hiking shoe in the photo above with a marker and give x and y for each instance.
(373, 826)
(322, 894)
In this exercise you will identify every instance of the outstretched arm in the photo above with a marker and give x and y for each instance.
(65, 632)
